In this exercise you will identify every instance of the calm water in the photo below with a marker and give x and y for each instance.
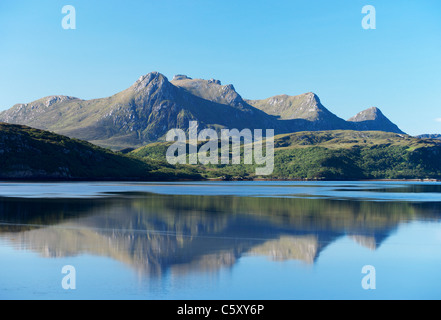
(220, 240)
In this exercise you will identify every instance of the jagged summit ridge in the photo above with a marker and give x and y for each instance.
(211, 90)
(22, 112)
(304, 110)
(144, 112)
(180, 77)
(304, 106)
(373, 119)
(373, 113)
(152, 78)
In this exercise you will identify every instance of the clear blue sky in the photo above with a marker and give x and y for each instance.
(264, 48)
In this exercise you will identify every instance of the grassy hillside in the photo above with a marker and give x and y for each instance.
(334, 155)
(27, 153)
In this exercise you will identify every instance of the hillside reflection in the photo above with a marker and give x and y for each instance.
(156, 233)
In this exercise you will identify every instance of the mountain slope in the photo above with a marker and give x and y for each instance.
(373, 119)
(308, 107)
(152, 106)
(27, 153)
(305, 106)
(211, 90)
(140, 114)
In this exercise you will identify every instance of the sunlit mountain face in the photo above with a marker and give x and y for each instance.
(144, 112)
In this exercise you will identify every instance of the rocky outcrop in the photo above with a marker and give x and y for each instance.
(373, 119)
(180, 77)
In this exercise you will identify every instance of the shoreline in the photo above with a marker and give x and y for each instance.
(54, 180)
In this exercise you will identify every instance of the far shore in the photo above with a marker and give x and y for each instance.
(220, 179)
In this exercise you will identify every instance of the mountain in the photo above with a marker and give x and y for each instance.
(27, 153)
(373, 119)
(143, 113)
(308, 107)
(152, 106)
(305, 106)
(430, 136)
(211, 90)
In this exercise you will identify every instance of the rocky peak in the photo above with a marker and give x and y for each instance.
(211, 90)
(152, 79)
(430, 136)
(230, 96)
(373, 119)
(312, 97)
(215, 81)
(305, 106)
(55, 99)
(372, 113)
(181, 77)
(309, 101)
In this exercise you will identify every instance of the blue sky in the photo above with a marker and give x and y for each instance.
(264, 48)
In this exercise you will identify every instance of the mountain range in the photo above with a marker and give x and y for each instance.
(146, 111)
(430, 136)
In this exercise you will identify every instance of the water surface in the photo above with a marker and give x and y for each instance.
(220, 240)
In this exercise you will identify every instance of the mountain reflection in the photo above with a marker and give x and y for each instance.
(155, 233)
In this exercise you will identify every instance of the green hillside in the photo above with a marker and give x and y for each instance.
(27, 153)
(334, 155)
